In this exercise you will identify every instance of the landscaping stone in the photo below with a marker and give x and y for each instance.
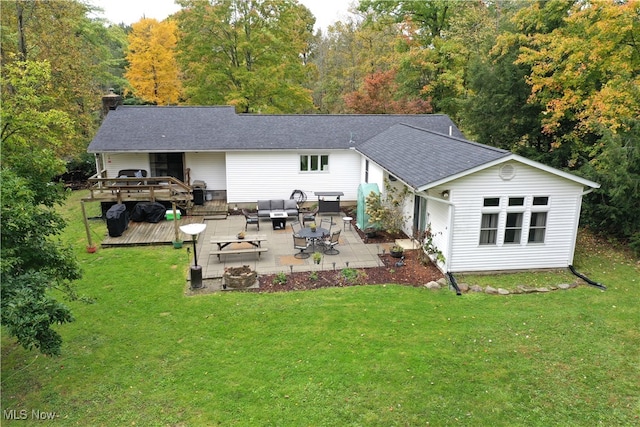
(433, 286)
(526, 289)
(490, 290)
(463, 287)
(503, 291)
(475, 288)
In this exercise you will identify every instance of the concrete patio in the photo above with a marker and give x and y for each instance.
(280, 255)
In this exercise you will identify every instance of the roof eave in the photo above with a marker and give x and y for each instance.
(506, 158)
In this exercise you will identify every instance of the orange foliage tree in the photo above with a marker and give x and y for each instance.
(379, 95)
(153, 71)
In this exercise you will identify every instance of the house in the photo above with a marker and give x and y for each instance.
(487, 209)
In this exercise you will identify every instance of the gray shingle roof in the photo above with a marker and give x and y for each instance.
(165, 129)
(419, 156)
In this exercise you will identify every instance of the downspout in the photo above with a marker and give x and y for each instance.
(454, 284)
(575, 228)
(586, 279)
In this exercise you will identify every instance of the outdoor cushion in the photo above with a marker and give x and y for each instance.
(291, 207)
(264, 205)
(277, 205)
(264, 208)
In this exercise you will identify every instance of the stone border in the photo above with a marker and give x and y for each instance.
(520, 289)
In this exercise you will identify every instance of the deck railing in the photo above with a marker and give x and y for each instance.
(156, 184)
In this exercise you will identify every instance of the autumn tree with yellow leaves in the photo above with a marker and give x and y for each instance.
(153, 71)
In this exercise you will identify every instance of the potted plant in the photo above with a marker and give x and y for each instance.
(317, 257)
(177, 244)
(396, 251)
(313, 226)
(241, 235)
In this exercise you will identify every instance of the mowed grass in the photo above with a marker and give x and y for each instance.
(146, 354)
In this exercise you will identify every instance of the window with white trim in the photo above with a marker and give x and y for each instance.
(513, 225)
(489, 228)
(489, 222)
(538, 222)
(314, 162)
(515, 217)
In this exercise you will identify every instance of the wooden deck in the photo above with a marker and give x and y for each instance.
(145, 233)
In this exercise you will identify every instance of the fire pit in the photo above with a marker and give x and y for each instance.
(239, 277)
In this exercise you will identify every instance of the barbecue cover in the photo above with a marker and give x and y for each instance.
(117, 220)
(148, 212)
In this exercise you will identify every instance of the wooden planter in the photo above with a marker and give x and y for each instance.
(239, 277)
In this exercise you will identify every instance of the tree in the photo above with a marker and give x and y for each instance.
(439, 39)
(34, 134)
(34, 264)
(379, 95)
(585, 75)
(153, 71)
(247, 53)
(76, 48)
(350, 52)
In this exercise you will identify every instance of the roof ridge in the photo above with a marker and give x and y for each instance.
(339, 115)
(175, 106)
(464, 140)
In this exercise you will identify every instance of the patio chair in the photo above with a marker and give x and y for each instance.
(296, 227)
(330, 245)
(309, 216)
(326, 223)
(250, 219)
(302, 244)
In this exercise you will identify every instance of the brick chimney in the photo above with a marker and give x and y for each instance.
(110, 101)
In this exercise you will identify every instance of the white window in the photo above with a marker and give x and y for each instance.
(537, 227)
(489, 229)
(489, 222)
(513, 227)
(507, 219)
(538, 223)
(314, 163)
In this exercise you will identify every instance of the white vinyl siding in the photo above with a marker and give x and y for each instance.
(259, 175)
(115, 162)
(207, 167)
(553, 250)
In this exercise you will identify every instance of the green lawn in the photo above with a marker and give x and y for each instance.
(145, 354)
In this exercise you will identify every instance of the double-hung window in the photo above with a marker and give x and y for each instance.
(513, 226)
(489, 223)
(538, 223)
(314, 162)
(509, 220)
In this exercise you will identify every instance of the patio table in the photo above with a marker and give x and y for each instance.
(254, 240)
(313, 235)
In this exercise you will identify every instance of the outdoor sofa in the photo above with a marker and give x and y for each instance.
(266, 207)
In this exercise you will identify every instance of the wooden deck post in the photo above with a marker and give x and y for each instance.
(90, 247)
(175, 221)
